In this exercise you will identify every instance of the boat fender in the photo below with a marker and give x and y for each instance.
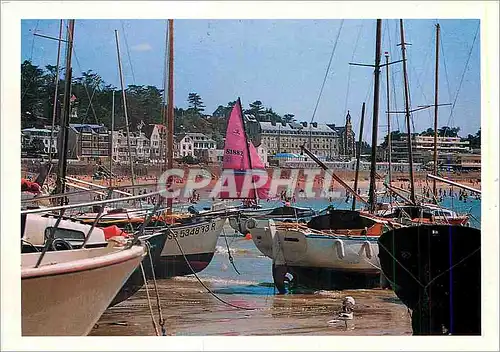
(339, 246)
(251, 224)
(112, 231)
(367, 248)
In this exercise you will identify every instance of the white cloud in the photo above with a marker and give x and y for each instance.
(142, 47)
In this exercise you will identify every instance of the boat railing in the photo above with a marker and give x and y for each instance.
(86, 191)
(63, 208)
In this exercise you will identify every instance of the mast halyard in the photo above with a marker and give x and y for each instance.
(56, 90)
(170, 106)
(125, 112)
(358, 155)
(372, 197)
(407, 112)
(111, 138)
(389, 139)
(64, 123)
(434, 190)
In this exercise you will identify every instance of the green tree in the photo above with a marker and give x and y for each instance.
(196, 103)
(395, 136)
(428, 132)
(447, 131)
(87, 88)
(256, 109)
(220, 111)
(32, 94)
(474, 140)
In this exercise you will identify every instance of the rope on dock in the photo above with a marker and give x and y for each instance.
(199, 280)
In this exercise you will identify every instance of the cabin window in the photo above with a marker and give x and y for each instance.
(65, 234)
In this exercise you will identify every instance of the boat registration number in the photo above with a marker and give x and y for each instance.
(192, 231)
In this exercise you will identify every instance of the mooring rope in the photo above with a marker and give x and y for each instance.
(149, 301)
(231, 260)
(158, 303)
(199, 280)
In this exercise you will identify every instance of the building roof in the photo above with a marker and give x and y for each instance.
(148, 129)
(286, 155)
(179, 137)
(77, 127)
(196, 134)
(339, 129)
(294, 126)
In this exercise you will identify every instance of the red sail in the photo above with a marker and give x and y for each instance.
(236, 157)
(235, 146)
(262, 191)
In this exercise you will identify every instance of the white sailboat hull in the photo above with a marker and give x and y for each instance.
(295, 247)
(69, 291)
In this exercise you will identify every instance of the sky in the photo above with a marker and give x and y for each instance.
(283, 63)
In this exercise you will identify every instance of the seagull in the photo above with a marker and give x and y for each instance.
(347, 308)
(346, 314)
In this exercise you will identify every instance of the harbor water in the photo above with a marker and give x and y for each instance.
(188, 308)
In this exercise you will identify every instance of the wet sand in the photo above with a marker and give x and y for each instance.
(189, 310)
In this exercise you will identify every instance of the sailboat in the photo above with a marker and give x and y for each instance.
(190, 239)
(435, 270)
(242, 161)
(65, 290)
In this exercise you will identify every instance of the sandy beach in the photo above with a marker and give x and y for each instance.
(317, 188)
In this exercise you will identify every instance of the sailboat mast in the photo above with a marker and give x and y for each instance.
(125, 111)
(56, 90)
(434, 190)
(358, 155)
(170, 105)
(64, 123)
(389, 141)
(407, 112)
(248, 148)
(111, 138)
(163, 138)
(372, 198)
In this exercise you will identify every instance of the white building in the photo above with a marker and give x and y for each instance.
(201, 142)
(319, 138)
(44, 136)
(262, 151)
(156, 135)
(139, 147)
(183, 145)
(212, 156)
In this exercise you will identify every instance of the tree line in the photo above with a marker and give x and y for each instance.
(93, 102)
